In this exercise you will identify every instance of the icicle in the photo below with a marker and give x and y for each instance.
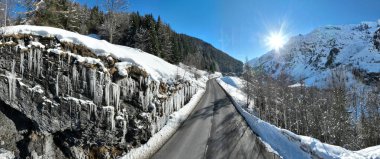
(124, 130)
(84, 78)
(38, 63)
(101, 78)
(16, 49)
(140, 81)
(98, 94)
(30, 61)
(92, 83)
(107, 89)
(95, 110)
(59, 64)
(68, 58)
(84, 74)
(109, 113)
(92, 110)
(141, 98)
(89, 108)
(12, 82)
(22, 64)
(57, 85)
(67, 83)
(71, 125)
(115, 95)
(35, 60)
(75, 77)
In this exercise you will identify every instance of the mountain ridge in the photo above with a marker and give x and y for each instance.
(312, 57)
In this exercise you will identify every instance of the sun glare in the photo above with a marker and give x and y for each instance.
(275, 40)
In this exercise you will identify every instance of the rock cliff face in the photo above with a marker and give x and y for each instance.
(60, 100)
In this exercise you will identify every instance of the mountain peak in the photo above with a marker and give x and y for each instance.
(313, 56)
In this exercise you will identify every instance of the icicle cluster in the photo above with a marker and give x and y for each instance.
(97, 84)
(176, 101)
(34, 61)
(127, 87)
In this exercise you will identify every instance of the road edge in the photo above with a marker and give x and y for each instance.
(268, 153)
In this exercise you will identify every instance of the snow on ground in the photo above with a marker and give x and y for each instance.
(233, 81)
(4, 154)
(159, 139)
(158, 69)
(371, 152)
(284, 142)
(215, 75)
(296, 85)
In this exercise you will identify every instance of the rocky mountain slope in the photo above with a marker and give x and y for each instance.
(64, 95)
(312, 57)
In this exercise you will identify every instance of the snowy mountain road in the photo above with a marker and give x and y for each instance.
(213, 130)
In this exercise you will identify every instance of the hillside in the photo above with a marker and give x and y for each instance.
(154, 36)
(313, 56)
(144, 32)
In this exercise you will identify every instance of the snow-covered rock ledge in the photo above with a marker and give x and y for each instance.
(160, 138)
(288, 144)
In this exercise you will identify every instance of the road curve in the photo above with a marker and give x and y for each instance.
(213, 130)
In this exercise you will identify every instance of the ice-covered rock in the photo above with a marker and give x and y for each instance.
(76, 102)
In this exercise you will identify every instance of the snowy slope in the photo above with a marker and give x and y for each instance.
(307, 56)
(158, 69)
(288, 144)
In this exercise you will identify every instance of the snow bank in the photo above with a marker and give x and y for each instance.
(157, 68)
(159, 139)
(233, 81)
(286, 143)
(4, 154)
(371, 152)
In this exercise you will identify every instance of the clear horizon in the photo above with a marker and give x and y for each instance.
(240, 28)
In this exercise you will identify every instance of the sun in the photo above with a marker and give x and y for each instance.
(275, 40)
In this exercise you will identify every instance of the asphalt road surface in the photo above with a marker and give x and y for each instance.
(214, 130)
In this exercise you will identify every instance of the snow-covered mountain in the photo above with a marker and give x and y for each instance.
(313, 56)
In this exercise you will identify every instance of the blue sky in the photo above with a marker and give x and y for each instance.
(238, 27)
